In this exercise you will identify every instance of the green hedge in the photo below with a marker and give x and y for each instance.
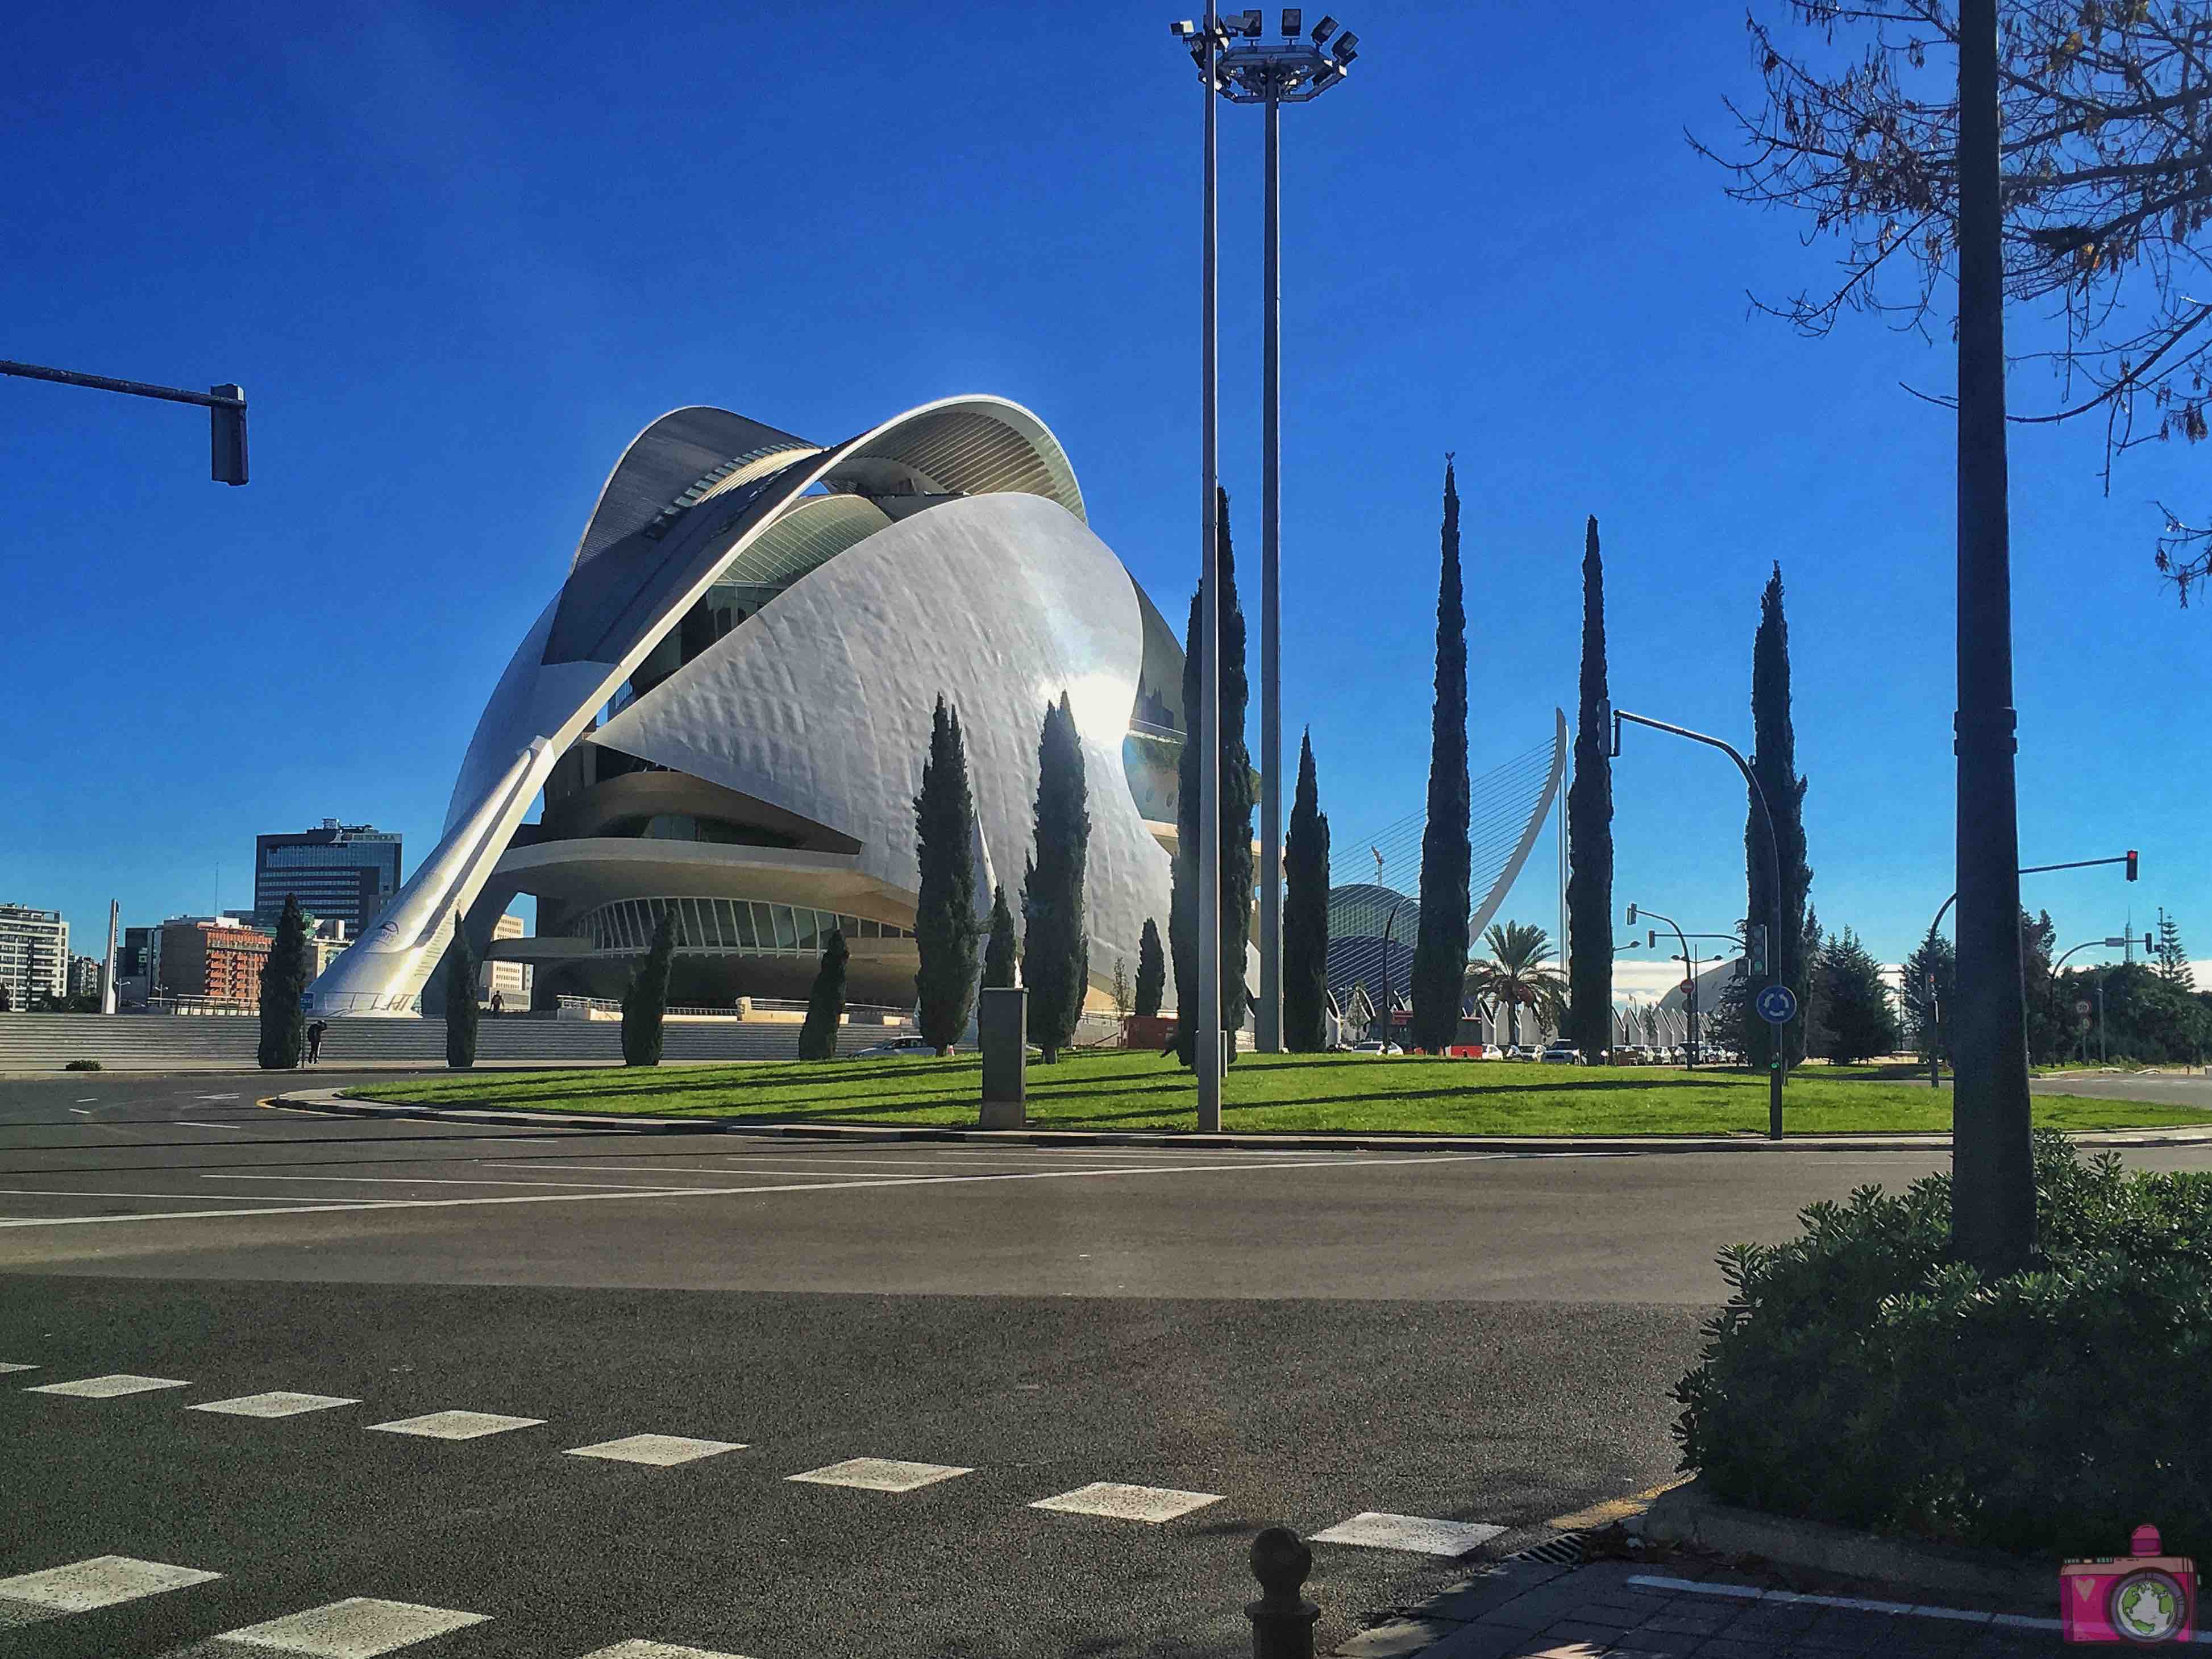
(1858, 1376)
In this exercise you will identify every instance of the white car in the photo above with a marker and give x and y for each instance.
(1561, 1054)
(1374, 1046)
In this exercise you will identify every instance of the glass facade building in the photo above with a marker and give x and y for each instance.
(341, 871)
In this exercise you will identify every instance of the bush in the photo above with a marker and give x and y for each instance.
(1858, 1376)
(82, 1065)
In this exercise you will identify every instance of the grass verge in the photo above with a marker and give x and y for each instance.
(1121, 1090)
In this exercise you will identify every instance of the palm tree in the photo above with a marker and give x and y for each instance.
(1516, 976)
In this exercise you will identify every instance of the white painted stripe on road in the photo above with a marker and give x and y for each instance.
(1417, 1535)
(359, 1627)
(276, 1404)
(1150, 1505)
(655, 1650)
(456, 1425)
(107, 1388)
(661, 1451)
(6, 1368)
(174, 1198)
(1243, 1166)
(194, 1123)
(215, 1097)
(450, 1181)
(880, 1475)
(642, 1168)
(104, 1581)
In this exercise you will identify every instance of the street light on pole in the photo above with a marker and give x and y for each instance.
(225, 405)
(1250, 68)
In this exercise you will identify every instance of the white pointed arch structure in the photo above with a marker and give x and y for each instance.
(747, 646)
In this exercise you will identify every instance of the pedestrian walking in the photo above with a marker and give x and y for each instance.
(315, 1041)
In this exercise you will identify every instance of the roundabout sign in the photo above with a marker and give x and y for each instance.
(1776, 1004)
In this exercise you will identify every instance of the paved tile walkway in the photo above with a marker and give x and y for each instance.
(1628, 1610)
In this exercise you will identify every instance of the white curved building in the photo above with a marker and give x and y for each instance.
(725, 708)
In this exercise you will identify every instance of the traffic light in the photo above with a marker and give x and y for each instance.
(1632, 915)
(1652, 938)
(226, 437)
(2131, 864)
(1759, 949)
(2148, 948)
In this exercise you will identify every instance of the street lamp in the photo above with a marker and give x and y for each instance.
(1775, 1064)
(1689, 983)
(1236, 59)
(2125, 942)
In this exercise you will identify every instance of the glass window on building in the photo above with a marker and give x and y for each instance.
(787, 927)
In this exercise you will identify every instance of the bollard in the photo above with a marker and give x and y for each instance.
(1002, 1033)
(1282, 1621)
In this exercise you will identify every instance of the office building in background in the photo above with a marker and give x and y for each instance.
(341, 871)
(214, 961)
(85, 976)
(509, 980)
(34, 954)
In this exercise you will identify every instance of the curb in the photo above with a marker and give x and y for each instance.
(1688, 1515)
(336, 1102)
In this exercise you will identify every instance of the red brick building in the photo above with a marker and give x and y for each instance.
(199, 959)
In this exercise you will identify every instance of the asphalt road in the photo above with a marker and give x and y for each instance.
(1303, 1337)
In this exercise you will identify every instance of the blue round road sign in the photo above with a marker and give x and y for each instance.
(1777, 1005)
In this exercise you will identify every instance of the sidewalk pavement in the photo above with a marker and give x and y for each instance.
(1682, 1606)
(358, 1105)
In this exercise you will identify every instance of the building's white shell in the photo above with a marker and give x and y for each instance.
(943, 553)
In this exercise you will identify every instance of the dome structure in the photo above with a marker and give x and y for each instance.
(725, 708)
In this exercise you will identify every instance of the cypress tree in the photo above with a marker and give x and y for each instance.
(645, 1002)
(1152, 970)
(999, 956)
(1439, 971)
(460, 1002)
(944, 916)
(825, 1002)
(284, 983)
(1238, 794)
(1055, 948)
(1305, 914)
(1590, 831)
(1774, 764)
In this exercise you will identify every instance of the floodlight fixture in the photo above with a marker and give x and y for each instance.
(1255, 20)
(1347, 48)
(1182, 30)
(1294, 20)
(1322, 30)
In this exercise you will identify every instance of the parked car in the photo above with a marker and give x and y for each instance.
(906, 1048)
(1376, 1046)
(1561, 1054)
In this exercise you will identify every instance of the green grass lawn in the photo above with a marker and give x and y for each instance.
(1121, 1090)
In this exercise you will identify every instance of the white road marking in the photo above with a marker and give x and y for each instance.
(359, 1627)
(449, 1181)
(643, 1169)
(107, 1388)
(1748, 1593)
(1152, 1504)
(87, 1100)
(177, 1198)
(4, 1369)
(214, 1097)
(100, 1581)
(655, 1650)
(661, 1450)
(1243, 1166)
(194, 1123)
(456, 1425)
(880, 1475)
(1416, 1533)
(276, 1404)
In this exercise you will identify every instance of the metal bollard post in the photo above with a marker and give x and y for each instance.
(1002, 1031)
(1282, 1621)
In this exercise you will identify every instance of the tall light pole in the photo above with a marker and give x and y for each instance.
(1248, 68)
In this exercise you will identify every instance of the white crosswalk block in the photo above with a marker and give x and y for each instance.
(4, 1369)
(1416, 1533)
(359, 1627)
(879, 1474)
(101, 1581)
(456, 1425)
(660, 1451)
(107, 1388)
(276, 1404)
(1110, 1498)
(656, 1650)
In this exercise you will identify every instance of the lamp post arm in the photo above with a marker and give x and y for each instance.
(134, 388)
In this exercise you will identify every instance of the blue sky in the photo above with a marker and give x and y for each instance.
(458, 256)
